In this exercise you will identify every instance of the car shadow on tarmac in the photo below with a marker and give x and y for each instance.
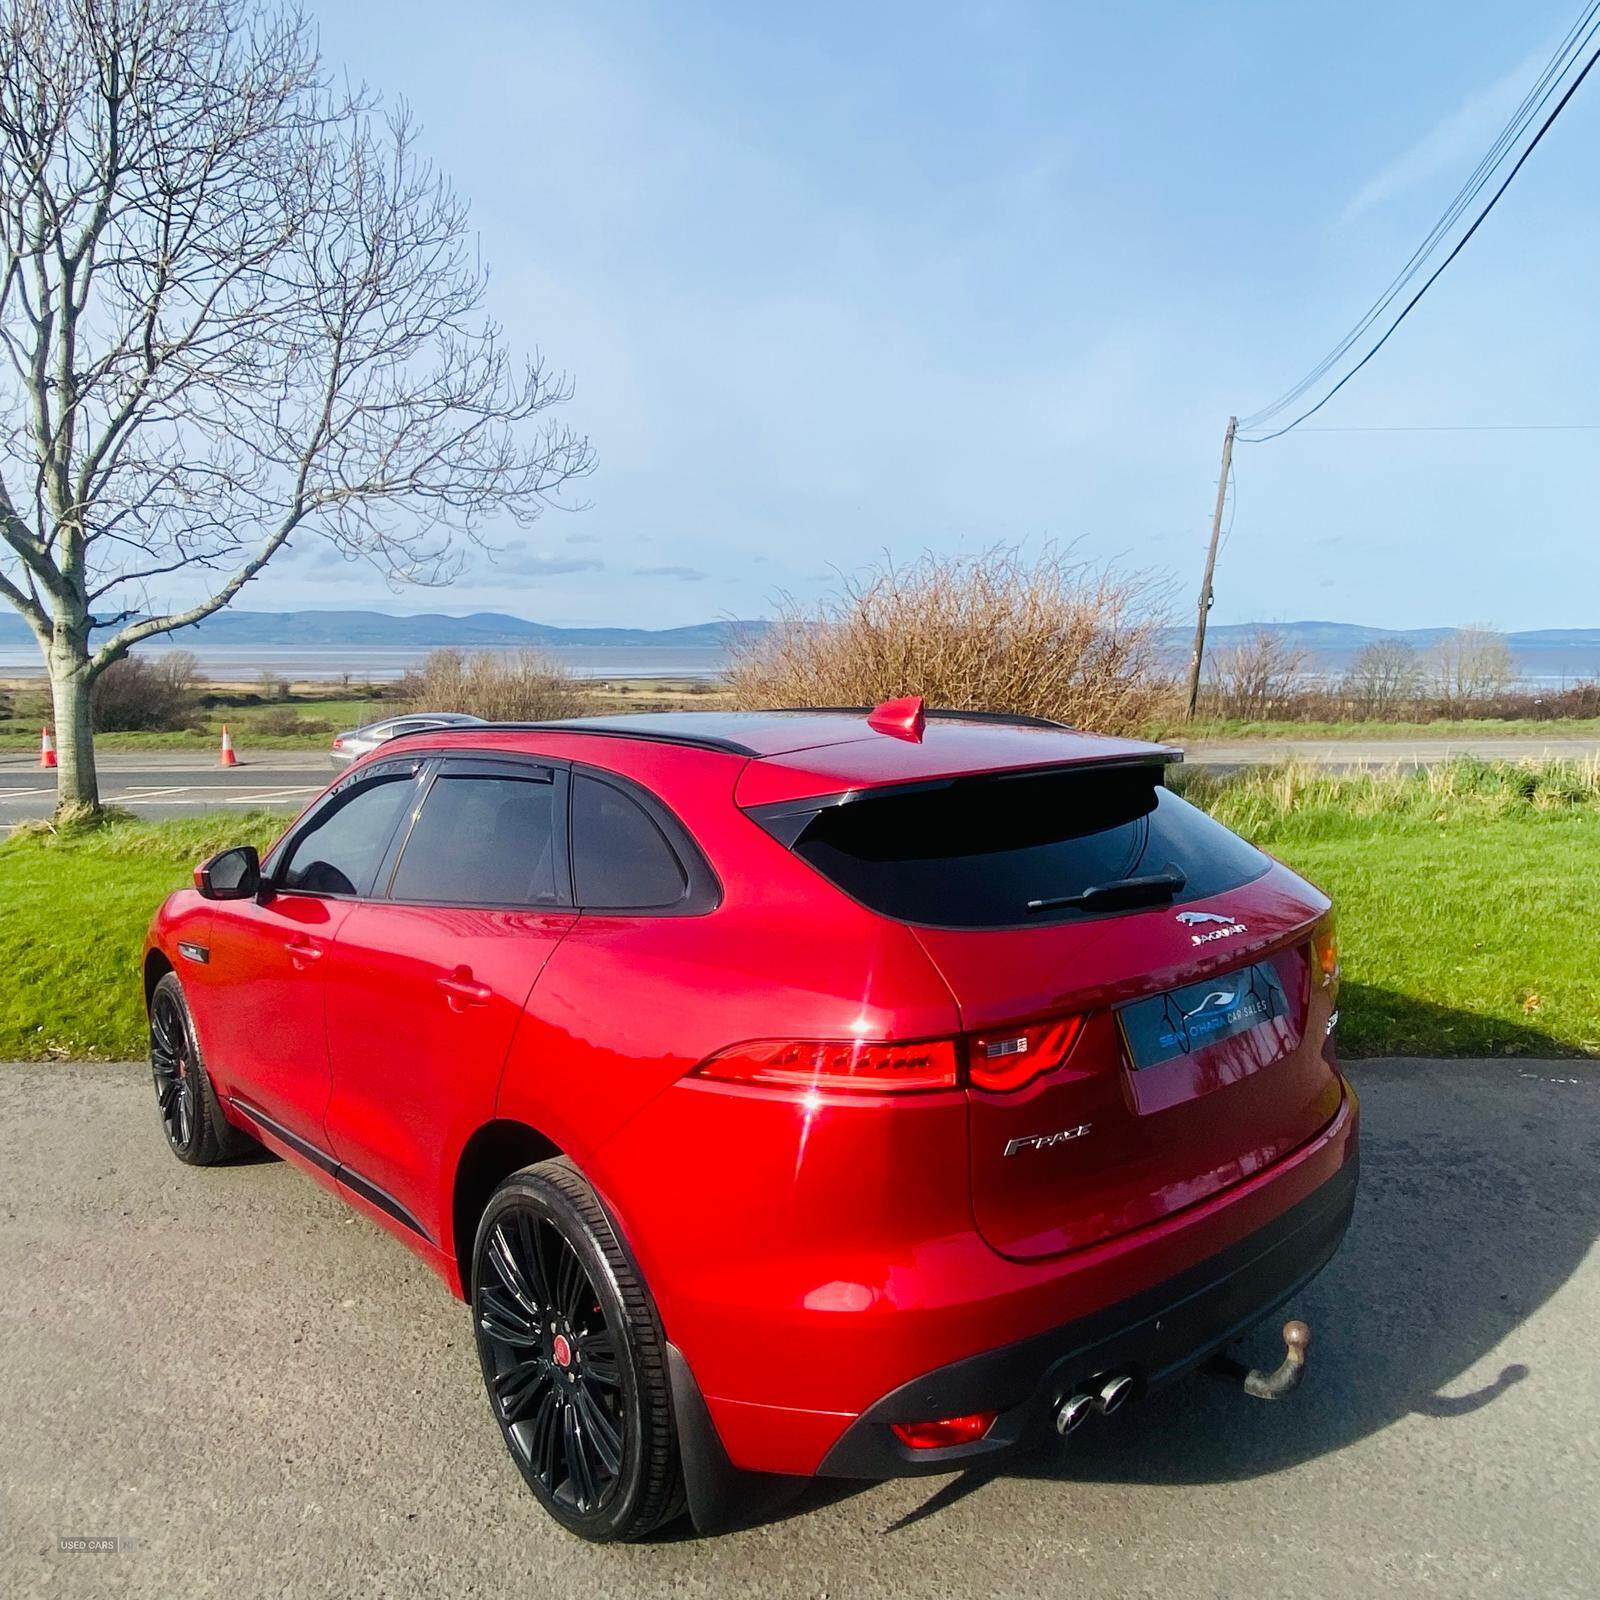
(1480, 1196)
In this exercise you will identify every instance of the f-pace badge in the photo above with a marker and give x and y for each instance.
(1226, 927)
(1043, 1141)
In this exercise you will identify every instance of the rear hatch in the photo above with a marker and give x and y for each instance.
(1145, 1014)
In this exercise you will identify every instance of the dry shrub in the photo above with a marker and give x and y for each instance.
(1052, 637)
(1580, 699)
(498, 685)
(144, 693)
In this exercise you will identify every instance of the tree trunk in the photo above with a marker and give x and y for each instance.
(77, 786)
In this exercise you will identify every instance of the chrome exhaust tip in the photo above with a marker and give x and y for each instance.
(1074, 1409)
(1113, 1392)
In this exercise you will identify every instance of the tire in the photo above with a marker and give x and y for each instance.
(186, 1101)
(573, 1357)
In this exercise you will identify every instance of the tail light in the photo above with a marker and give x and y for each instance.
(1011, 1058)
(944, 1432)
(833, 1065)
(999, 1061)
(1325, 954)
(338, 742)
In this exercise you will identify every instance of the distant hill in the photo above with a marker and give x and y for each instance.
(333, 629)
(1341, 637)
(330, 629)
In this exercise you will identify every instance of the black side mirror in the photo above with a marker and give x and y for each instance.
(230, 874)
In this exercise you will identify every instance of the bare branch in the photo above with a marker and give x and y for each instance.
(235, 303)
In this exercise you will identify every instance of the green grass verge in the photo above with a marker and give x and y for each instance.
(1466, 896)
(73, 914)
(1234, 730)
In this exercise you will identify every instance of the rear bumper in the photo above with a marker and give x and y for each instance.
(841, 1316)
(1156, 1335)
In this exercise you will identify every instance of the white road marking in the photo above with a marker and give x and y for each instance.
(226, 797)
(186, 794)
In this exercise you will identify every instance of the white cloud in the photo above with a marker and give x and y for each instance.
(535, 564)
(1454, 144)
(680, 574)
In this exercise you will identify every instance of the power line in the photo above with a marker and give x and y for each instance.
(1433, 277)
(1591, 20)
(1529, 107)
(1531, 104)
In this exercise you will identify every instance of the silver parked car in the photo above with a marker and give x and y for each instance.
(358, 741)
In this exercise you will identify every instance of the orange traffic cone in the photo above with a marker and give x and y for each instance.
(47, 748)
(229, 759)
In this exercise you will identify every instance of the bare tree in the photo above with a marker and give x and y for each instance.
(1383, 677)
(1257, 673)
(237, 308)
(1471, 665)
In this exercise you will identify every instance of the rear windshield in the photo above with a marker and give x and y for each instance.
(974, 852)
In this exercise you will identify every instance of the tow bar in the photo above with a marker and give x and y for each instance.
(1272, 1385)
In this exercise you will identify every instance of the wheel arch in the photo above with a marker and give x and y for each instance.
(489, 1157)
(156, 967)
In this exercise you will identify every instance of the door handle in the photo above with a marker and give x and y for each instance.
(461, 989)
(302, 952)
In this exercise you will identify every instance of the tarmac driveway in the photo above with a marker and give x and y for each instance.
(260, 1394)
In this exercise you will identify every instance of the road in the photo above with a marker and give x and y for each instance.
(184, 783)
(269, 1397)
(176, 784)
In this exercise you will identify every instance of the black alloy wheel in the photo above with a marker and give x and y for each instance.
(573, 1358)
(170, 1062)
(196, 1130)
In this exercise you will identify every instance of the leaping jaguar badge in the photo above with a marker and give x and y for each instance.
(1226, 927)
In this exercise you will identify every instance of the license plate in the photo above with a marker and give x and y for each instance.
(1182, 1021)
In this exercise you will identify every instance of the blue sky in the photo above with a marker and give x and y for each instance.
(840, 279)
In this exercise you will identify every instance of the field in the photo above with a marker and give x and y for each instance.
(304, 715)
(308, 719)
(1466, 898)
(309, 714)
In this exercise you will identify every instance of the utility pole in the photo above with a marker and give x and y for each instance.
(1211, 567)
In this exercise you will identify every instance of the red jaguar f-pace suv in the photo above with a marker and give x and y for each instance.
(789, 1093)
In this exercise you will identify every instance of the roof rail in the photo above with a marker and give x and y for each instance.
(1017, 719)
(693, 741)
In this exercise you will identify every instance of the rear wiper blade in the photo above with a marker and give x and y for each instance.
(1150, 890)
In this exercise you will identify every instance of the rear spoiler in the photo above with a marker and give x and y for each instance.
(786, 820)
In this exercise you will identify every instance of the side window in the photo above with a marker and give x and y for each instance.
(487, 841)
(620, 859)
(340, 850)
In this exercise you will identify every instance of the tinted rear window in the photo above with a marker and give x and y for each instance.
(620, 858)
(973, 853)
(482, 841)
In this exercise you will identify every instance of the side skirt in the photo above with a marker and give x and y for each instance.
(318, 1157)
